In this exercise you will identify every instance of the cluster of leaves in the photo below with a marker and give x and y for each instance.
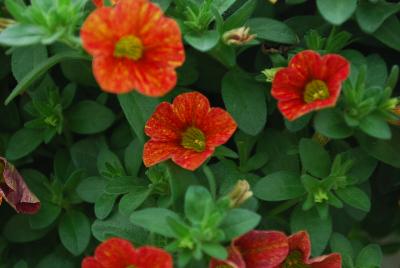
(55, 121)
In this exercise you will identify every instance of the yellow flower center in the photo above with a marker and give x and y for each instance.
(316, 90)
(131, 266)
(129, 47)
(194, 139)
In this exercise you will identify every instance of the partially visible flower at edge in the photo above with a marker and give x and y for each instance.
(396, 111)
(188, 131)
(120, 253)
(310, 82)
(15, 191)
(100, 3)
(272, 249)
(134, 47)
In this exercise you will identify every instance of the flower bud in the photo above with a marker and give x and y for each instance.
(270, 73)
(273, 1)
(240, 193)
(4, 23)
(238, 36)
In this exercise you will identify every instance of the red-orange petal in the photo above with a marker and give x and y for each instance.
(288, 84)
(155, 152)
(97, 34)
(234, 260)
(153, 80)
(218, 126)
(151, 257)
(328, 261)
(114, 75)
(191, 108)
(190, 159)
(306, 62)
(163, 125)
(301, 241)
(91, 262)
(334, 67)
(263, 249)
(116, 253)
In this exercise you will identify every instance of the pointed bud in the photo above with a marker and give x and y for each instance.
(15, 191)
(270, 73)
(238, 36)
(240, 193)
(320, 196)
(273, 1)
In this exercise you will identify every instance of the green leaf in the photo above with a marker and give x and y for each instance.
(137, 109)
(339, 243)
(16, 9)
(21, 35)
(376, 126)
(314, 158)
(24, 59)
(355, 197)
(331, 124)
(338, 11)
(90, 189)
(121, 185)
(319, 229)
(23, 142)
(104, 205)
(47, 214)
(245, 100)
(370, 257)
(89, 117)
(272, 30)
(40, 70)
(196, 211)
(18, 230)
(84, 155)
(155, 220)
(384, 150)
(74, 232)
(389, 33)
(362, 168)
(239, 221)
(215, 250)
(370, 16)
(376, 72)
(118, 225)
(134, 199)
(204, 41)
(279, 186)
(133, 157)
(60, 257)
(240, 16)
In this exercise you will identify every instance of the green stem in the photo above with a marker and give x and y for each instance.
(211, 180)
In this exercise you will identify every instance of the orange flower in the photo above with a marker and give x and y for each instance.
(134, 46)
(310, 82)
(120, 253)
(187, 131)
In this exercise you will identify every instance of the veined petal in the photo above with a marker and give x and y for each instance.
(301, 241)
(288, 84)
(163, 125)
(306, 62)
(191, 108)
(263, 249)
(155, 152)
(218, 126)
(190, 159)
(97, 34)
(153, 257)
(114, 75)
(333, 67)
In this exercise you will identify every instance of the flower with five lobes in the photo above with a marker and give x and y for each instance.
(15, 191)
(188, 131)
(310, 82)
(120, 253)
(272, 249)
(134, 47)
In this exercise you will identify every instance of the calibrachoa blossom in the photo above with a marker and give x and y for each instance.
(188, 131)
(134, 46)
(310, 82)
(120, 253)
(271, 249)
(15, 191)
